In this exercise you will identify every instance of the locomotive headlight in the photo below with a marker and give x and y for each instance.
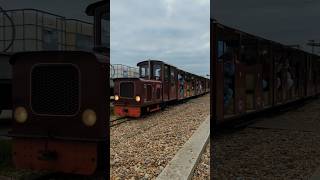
(116, 97)
(89, 117)
(20, 114)
(138, 98)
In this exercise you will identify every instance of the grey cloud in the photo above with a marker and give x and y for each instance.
(176, 31)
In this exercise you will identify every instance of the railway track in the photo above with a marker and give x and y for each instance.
(118, 121)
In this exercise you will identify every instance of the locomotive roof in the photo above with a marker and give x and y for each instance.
(153, 60)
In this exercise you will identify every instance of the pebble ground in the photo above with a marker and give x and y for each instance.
(271, 153)
(202, 170)
(140, 149)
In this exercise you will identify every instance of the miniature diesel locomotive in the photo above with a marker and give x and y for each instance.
(158, 85)
(60, 107)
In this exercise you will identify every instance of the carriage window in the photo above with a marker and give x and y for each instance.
(166, 73)
(144, 71)
(172, 77)
(157, 71)
(221, 49)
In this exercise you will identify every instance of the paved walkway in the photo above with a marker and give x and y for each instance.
(181, 167)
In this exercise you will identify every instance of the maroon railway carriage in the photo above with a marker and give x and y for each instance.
(252, 74)
(60, 107)
(159, 84)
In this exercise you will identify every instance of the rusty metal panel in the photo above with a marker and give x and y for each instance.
(53, 155)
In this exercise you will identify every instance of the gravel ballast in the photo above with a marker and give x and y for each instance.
(140, 149)
(289, 152)
(202, 170)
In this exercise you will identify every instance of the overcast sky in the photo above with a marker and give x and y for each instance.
(286, 21)
(68, 8)
(174, 31)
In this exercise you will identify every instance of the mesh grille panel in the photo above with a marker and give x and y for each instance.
(55, 89)
(126, 89)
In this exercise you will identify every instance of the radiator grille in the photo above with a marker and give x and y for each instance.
(126, 89)
(55, 89)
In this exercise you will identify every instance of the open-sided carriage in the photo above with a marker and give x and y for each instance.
(252, 74)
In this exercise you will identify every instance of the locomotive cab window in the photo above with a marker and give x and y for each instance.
(144, 71)
(157, 71)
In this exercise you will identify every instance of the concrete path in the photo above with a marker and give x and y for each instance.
(182, 165)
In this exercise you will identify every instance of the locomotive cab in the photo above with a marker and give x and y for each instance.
(153, 66)
(163, 72)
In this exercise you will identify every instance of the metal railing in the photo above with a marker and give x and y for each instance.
(123, 71)
(37, 30)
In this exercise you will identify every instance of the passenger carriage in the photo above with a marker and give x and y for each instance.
(252, 74)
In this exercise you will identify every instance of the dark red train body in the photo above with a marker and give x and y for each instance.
(159, 84)
(52, 93)
(252, 74)
(60, 107)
